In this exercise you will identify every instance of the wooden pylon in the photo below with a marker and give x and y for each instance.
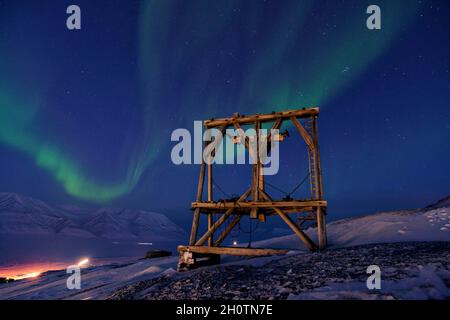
(256, 202)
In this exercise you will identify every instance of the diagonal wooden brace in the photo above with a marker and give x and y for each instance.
(305, 134)
(220, 221)
(228, 229)
(306, 240)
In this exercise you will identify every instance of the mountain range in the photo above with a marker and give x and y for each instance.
(24, 215)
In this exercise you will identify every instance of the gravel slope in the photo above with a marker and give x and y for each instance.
(302, 276)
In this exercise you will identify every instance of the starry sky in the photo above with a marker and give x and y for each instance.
(86, 115)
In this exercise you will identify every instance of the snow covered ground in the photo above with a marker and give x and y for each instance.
(100, 282)
(423, 283)
(409, 270)
(386, 227)
(96, 282)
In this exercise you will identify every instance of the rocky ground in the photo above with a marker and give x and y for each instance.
(300, 274)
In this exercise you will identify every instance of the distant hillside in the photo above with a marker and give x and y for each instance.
(444, 202)
(24, 215)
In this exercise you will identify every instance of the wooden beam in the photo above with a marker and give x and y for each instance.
(321, 222)
(210, 182)
(210, 199)
(321, 229)
(242, 135)
(317, 160)
(220, 221)
(276, 126)
(302, 113)
(227, 230)
(306, 240)
(196, 217)
(210, 224)
(214, 227)
(304, 134)
(261, 204)
(255, 171)
(237, 251)
(210, 168)
(267, 211)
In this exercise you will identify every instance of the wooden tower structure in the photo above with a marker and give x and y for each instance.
(256, 201)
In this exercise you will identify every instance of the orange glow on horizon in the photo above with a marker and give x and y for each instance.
(29, 270)
(27, 276)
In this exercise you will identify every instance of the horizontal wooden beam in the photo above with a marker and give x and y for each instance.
(266, 211)
(302, 113)
(236, 251)
(259, 204)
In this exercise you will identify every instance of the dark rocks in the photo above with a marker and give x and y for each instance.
(5, 280)
(157, 254)
(294, 274)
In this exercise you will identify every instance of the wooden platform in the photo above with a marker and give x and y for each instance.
(197, 256)
(245, 207)
(235, 251)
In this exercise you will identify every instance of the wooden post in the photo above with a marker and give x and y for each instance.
(321, 222)
(321, 228)
(255, 170)
(210, 198)
(260, 164)
(317, 160)
(210, 224)
(196, 218)
(210, 183)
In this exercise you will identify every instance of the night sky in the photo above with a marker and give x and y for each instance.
(86, 115)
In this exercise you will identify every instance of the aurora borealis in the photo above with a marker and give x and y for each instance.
(86, 115)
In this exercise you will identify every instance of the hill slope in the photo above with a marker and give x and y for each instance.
(32, 230)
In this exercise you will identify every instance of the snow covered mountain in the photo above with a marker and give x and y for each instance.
(24, 215)
(32, 231)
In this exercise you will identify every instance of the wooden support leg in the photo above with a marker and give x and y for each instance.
(255, 181)
(321, 228)
(195, 220)
(210, 224)
(194, 229)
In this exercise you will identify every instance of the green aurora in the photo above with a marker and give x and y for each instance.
(284, 72)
